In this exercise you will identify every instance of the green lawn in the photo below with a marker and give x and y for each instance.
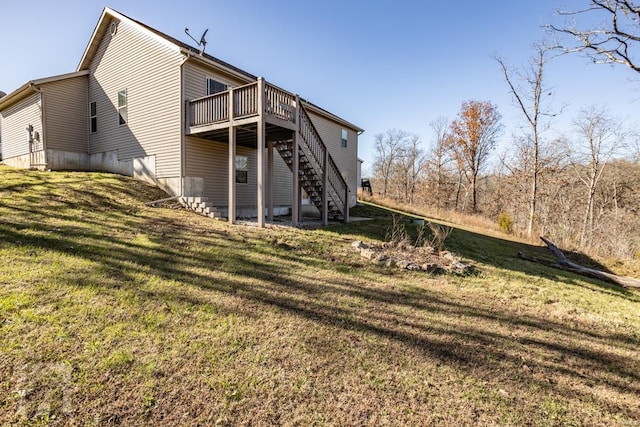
(114, 313)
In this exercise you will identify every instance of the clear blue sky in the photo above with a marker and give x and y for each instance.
(380, 64)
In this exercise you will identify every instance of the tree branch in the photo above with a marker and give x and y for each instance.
(612, 43)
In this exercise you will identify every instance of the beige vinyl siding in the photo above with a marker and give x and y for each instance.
(281, 182)
(210, 160)
(15, 119)
(346, 158)
(195, 80)
(149, 70)
(66, 114)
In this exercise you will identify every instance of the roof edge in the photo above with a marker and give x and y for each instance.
(32, 86)
(319, 110)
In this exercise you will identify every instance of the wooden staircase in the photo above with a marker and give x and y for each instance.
(310, 180)
(316, 169)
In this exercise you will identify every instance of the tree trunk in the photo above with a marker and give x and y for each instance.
(474, 192)
(564, 264)
(458, 189)
(534, 183)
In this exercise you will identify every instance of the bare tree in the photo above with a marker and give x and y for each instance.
(634, 146)
(388, 147)
(472, 137)
(614, 40)
(410, 164)
(600, 136)
(439, 157)
(528, 88)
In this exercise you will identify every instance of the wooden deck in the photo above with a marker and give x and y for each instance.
(260, 114)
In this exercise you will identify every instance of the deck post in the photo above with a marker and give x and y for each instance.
(346, 204)
(295, 186)
(231, 210)
(232, 175)
(300, 206)
(325, 200)
(270, 177)
(260, 148)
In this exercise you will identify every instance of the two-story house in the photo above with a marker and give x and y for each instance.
(225, 142)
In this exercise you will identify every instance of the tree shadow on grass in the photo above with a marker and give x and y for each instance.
(489, 343)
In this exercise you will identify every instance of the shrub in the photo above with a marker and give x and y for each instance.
(505, 222)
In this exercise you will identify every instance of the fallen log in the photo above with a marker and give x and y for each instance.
(564, 264)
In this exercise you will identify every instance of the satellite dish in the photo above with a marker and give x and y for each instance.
(202, 44)
(2, 94)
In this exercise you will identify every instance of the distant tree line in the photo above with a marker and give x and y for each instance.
(581, 189)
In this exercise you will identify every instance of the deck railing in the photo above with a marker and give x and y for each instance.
(280, 104)
(214, 108)
(245, 101)
(209, 109)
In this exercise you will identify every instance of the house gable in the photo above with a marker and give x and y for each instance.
(131, 67)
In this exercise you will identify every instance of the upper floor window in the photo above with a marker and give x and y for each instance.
(123, 114)
(214, 86)
(345, 138)
(93, 115)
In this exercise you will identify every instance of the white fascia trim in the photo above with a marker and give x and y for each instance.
(60, 77)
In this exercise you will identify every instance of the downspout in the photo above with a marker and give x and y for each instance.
(183, 127)
(43, 122)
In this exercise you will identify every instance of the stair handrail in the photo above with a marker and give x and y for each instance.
(334, 177)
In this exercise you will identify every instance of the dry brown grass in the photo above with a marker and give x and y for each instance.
(466, 220)
(127, 315)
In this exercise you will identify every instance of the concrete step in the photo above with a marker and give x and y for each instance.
(194, 199)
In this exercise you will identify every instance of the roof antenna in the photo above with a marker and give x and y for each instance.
(202, 43)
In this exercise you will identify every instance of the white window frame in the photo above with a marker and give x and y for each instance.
(344, 138)
(93, 115)
(123, 119)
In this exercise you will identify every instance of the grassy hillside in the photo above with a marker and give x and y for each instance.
(114, 313)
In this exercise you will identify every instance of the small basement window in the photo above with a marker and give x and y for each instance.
(214, 86)
(242, 175)
(345, 138)
(123, 113)
(93, 115)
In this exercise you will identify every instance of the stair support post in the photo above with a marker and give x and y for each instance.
(260, 142)
(270, 176)
(325, 199)
(231, 211)
(295, 185)
(346, 205)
